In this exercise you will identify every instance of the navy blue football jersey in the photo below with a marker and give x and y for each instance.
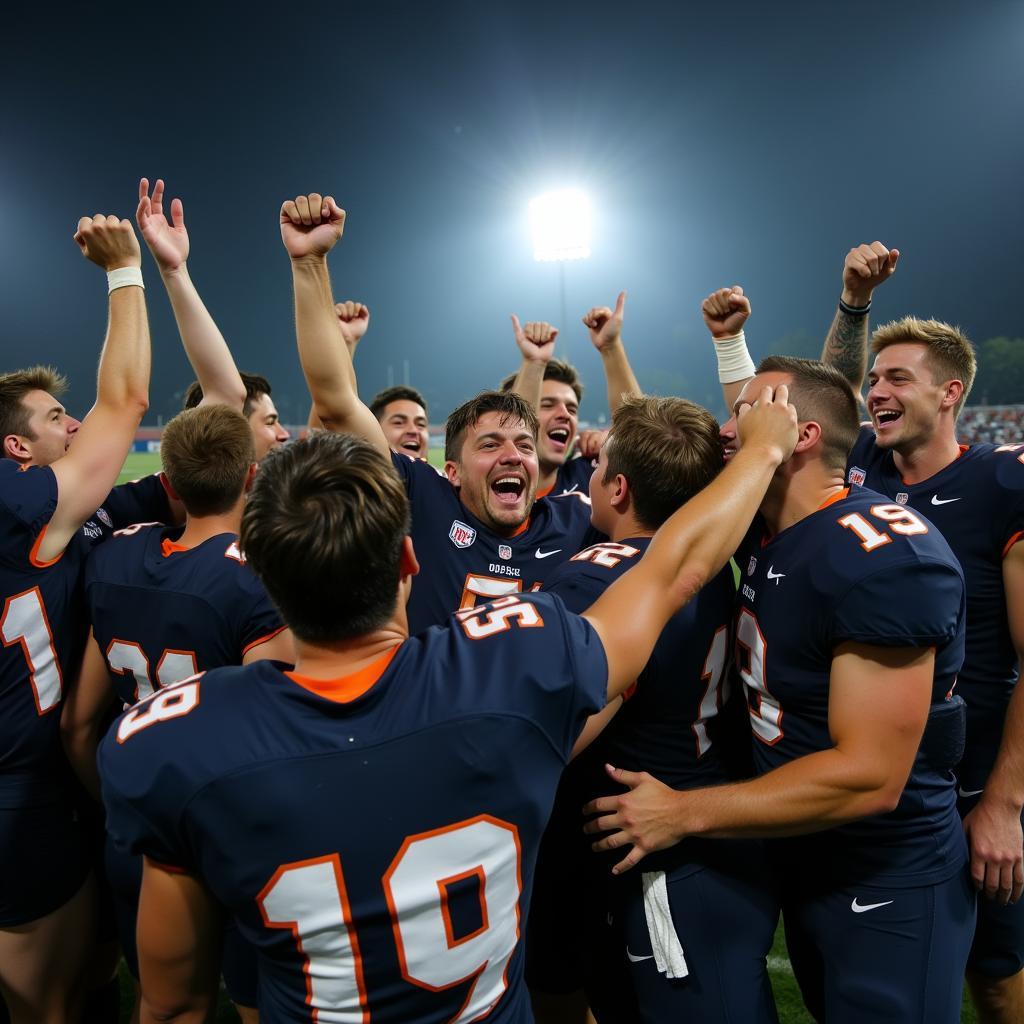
(161, 613)
(42, 627)
(374, 836)
(977, 502)
(573, 477)
(866, 570)
(463, 561)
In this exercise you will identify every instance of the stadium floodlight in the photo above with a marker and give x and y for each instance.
(561, 226)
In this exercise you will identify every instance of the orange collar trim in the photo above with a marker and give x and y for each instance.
(544, 493)
(168, 547)
(523, 527)
(347, 688)
(838, 496)
(963, 448)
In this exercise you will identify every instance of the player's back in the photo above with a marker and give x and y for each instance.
(861, 569)
(387, 821)
(161, 613)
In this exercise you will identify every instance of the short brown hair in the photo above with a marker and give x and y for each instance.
(555, 369)
(14, 386)
(510, 405)
(323, 529)
(255, 385)
(667, 449)
(206, 453)
(950, 353)
(820, 393)
(399, 393)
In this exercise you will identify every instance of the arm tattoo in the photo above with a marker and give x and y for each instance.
(846, 347)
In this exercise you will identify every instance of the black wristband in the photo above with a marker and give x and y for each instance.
(855, 310)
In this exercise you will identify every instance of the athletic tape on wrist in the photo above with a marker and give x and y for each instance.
(124, 277)
(734, 362)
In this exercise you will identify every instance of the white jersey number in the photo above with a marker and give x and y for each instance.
(24, 622)
(751, 649)
(309, 899)
(127, 656)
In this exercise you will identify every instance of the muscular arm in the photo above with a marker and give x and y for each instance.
(310, 226)
(878, 706)
(693, 544)
(179, 937)
(993, 827)
(846, 347)
(83, 717)
(725, 311)
(86, 474)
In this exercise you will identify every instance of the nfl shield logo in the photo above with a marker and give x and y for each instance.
(903, 497)
(857, 476)
(461, 535)
(504, 551)
(103, 517)
(751, 566)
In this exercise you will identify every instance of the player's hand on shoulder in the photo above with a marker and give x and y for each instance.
(589, 443)
(725, 311)
(168, 242)
(311, 225)
(108, 241)
(864, 269)
(353, 320)
(769, 423)
(605, 324)
(535, 339)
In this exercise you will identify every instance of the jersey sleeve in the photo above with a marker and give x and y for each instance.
(261, 620)
(1007, 505)
(577, 587)
(419, 477)
(142, 501)
(861, 455)
(901, 605)
(30, 496)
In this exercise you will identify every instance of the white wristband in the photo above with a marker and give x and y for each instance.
(124, 277)
(734, 362)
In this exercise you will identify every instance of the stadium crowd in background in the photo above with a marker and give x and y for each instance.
(314, 716)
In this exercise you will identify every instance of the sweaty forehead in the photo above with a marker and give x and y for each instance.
(498, 423)
(902, 355)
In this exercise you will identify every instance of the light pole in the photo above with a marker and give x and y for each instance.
(561, 226)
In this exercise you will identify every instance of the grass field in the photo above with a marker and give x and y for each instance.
(787, 996)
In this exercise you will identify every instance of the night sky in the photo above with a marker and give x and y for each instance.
(748, 143)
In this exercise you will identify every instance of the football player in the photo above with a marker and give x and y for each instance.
(848, 640)
(401, 412)
(391, 790)
(478, 530)
(54, 474)
(921, 376)
(660, 452)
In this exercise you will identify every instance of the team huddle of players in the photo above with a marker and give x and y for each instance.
(333, 715)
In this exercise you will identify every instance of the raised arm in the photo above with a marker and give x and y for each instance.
(846, 344)
(605, 327)
(993, 826)
(86, 474)
(310, 227)
(204, 345)
(353, 320)
(536, 343)
(725, 311)
(694, 543)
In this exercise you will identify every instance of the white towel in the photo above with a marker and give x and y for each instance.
(668, 953)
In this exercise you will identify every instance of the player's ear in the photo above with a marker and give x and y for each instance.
(171, 492)
(451, 470)
(250, 477)
(620, 493)
(808, 435)
(953, 393)
(15, 448)
(408, 564)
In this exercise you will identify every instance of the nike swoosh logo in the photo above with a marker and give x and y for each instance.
(544, 554)
(936, 500)
(637, 959)
(861, 908)
(965, 793)
(775, 575)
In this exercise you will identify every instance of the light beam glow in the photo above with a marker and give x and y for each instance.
(561, 224)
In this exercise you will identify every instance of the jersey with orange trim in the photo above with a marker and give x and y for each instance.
(861, 569)
(390, 820)
(463, 562)
(667, 727)
(977, 502)
(573, 477)
(161, 613)
(42, 621)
